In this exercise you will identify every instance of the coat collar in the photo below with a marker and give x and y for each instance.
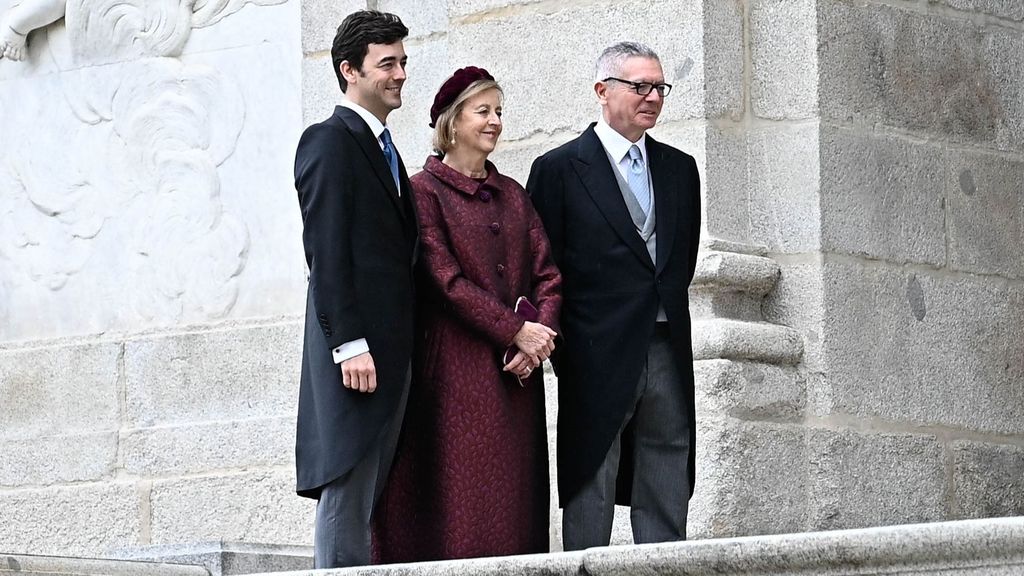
(372, 122)
(459, 181)
(374, 155)
(618, 145)
(370, 146)
(667, 181)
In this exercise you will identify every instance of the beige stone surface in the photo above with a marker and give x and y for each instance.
(859, 479)
(882, 197)
(59, 389)
(857, 333)
(228, 374)
(81, 520)
(257, 506)
(550, 79)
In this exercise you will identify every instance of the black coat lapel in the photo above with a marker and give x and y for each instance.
(666, 182)
(412, 223)
(372, 151)
(593, 168)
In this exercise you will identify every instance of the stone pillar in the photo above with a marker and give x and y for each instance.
(885, 169)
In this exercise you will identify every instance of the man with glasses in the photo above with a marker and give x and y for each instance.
(622, 212)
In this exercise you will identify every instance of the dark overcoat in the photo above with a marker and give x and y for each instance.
(470, 476)
(360, 240)
(611, 290)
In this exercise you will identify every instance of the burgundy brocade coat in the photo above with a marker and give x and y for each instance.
(470, 475)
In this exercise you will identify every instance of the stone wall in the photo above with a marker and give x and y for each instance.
(866, 156)
(151, 278)
(907, 286)
(858, 308)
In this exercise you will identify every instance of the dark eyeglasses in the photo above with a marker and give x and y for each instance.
(644, 88)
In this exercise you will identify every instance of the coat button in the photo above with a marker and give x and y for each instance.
(485, 196)
(495, 228)
(501, 270)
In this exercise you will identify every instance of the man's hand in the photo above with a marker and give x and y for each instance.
(359, 373)
(536, 341)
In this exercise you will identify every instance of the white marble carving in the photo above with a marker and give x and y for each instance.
(116, 189)
(115, 28)
(173, 125)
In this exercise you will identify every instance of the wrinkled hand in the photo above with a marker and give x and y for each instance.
(358, 373)
(536, 341)
(520, 365)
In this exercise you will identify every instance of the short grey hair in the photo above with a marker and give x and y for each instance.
(609, 63)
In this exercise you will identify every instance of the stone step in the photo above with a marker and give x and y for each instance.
(226, 558)
(29, 565)
(990, 547)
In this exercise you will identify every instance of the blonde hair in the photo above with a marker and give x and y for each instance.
(444, 128)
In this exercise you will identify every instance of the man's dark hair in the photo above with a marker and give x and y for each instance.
(357, 32)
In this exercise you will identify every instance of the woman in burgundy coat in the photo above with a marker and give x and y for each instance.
(470, 476)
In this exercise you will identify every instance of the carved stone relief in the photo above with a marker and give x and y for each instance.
(109, 177)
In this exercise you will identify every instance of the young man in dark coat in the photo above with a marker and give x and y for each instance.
(622, 212)
(360, 236)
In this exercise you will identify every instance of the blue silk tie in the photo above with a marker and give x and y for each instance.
(391, 156)
(638, 180)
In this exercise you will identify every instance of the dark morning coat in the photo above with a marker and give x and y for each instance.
(360, 241)
(611, 290)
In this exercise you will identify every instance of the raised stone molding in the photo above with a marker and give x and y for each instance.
(27, 565)
(226, 558)
(980, 547)
(750, 395)
(728, 288)
(735, 272)
(989, 547)
(737, 340)
(993, 547)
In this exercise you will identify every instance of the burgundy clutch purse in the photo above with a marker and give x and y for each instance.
(527, 311)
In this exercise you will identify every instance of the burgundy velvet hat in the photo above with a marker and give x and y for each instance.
(454, 86)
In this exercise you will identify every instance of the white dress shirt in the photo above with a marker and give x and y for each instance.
(618, 147)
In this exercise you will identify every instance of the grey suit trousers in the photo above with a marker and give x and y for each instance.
(345, 507)
(660, 496)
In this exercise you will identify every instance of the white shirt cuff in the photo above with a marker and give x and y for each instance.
(350, 350)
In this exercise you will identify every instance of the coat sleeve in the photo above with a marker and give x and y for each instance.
(547, 193)
(476, 307)
(694, 217)
(547, 280)
(325, 184)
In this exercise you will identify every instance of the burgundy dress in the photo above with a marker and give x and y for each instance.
(470, 475)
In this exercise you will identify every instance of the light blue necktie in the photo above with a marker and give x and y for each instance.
(637, 179)
(391, 156)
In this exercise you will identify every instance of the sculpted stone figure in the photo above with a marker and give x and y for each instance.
(24, 17)
(151, 28)
(136, 212)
